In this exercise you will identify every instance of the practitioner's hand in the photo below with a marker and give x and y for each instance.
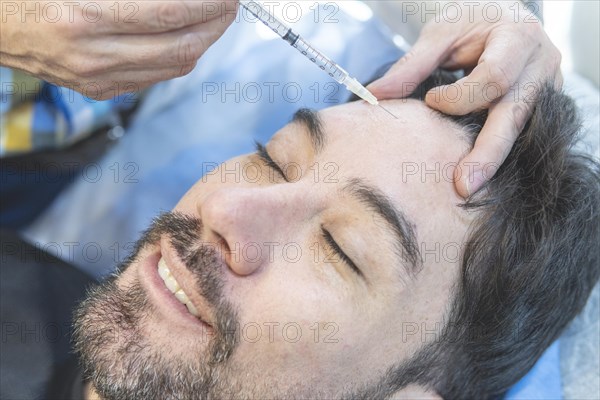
(508, 57)
(104, 48)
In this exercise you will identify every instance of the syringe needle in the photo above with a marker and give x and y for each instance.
(388, 111)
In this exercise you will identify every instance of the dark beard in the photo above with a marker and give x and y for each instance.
(122, 365)
(116, 356)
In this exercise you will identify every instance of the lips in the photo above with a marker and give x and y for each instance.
(174, 287)
(182, 283)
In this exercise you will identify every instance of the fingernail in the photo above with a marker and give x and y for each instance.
(474, 182)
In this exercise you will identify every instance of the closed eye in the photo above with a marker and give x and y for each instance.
(338, 250)
(261, 151)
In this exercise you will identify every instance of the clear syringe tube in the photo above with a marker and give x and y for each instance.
(318, 58)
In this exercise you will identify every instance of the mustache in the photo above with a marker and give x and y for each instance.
(183, 230)
(202, 260)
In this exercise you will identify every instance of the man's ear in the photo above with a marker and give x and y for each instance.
(413, 392)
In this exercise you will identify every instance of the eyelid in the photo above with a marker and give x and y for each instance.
(262, 152)
(337, 249)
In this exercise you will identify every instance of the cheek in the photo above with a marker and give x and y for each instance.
(289, 293)
(303, 295)
(292, 324)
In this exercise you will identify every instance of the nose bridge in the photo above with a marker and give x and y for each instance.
(250, 221)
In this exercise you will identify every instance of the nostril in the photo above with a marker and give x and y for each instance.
(223, 248)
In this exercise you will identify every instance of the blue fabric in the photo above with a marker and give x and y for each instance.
(58, 117)
(543, 382)
(26, 193)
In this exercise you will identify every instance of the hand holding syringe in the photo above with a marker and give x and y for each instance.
(324, 63)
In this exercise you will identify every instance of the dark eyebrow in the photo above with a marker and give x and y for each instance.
(402, 227)
(311, 120)
(372, 197)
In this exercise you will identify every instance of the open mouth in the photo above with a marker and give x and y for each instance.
(174, 287)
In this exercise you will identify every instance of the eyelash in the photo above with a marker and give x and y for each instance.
(338, 250)
(261, 151)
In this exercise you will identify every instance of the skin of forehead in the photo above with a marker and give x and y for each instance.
(360, 137)
(410, 159)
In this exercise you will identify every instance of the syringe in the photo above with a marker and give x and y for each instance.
(318, 58)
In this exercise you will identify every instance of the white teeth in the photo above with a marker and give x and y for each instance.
(173, 286)
(163, 270)
(192, 309)
(182, 297)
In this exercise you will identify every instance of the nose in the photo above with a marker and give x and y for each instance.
(251, 223)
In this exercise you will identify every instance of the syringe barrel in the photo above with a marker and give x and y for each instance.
(267, 18)
(296, 41)
(320, 60)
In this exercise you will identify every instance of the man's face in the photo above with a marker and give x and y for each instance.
(314, 272)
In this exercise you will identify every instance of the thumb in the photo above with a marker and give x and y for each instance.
(504, 123)
(416, 66)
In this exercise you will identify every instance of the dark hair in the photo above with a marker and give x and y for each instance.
(529, 265)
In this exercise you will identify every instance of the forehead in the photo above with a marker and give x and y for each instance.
(412, 156)
(411, 160)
